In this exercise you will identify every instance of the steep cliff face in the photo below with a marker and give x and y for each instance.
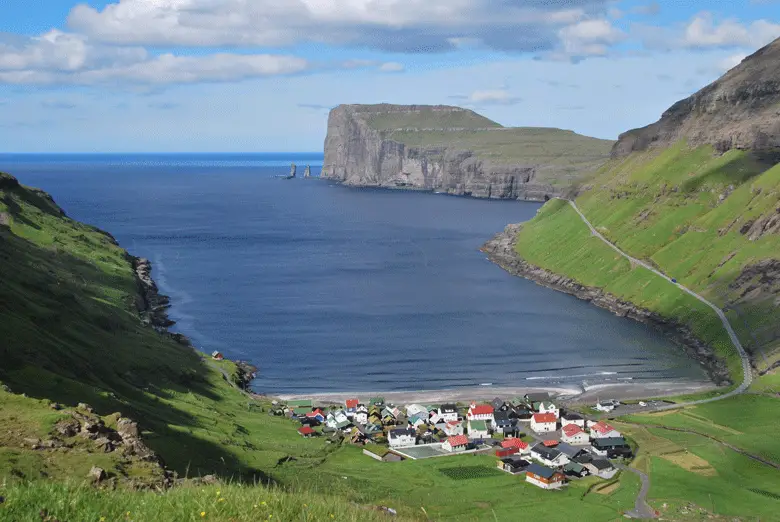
(741, 110)
(453, 150)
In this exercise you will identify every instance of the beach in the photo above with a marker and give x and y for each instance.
(565, 394)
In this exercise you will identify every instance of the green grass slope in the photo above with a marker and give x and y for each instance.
(688, 212)
(385, 117)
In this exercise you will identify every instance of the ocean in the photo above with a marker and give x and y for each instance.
(327, 288)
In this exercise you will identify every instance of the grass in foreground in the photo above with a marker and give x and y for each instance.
(71, 502)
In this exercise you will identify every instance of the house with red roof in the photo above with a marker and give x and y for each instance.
(549, 407)
(352, 405)
(306, 432)
(453, 428)
(602, 430)
(483, 412)
(544, 422)
(573, 434)
(316, 414)
(550, 443)
(456, 443)
(522, 447)
(505, 452)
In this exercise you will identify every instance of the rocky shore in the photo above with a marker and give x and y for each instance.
(501, 251)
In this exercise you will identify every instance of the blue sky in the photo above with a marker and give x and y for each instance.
(260, 75)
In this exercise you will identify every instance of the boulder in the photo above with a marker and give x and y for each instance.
(68, 427)
(97, 474)
(127, 429)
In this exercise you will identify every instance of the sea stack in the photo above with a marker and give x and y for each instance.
(307, 172)
(293, 170)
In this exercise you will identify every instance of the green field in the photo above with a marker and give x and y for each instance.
(424, 117)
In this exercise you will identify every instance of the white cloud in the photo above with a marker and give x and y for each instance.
(392, 67)
(481, 98)
(400, 25)
(732, 61)
(588, 38)
(704, 31)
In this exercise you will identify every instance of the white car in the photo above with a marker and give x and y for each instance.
(642, 403)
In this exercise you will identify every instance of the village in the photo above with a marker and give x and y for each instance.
(530, 436)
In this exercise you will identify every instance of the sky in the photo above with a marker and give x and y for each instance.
(261, 75)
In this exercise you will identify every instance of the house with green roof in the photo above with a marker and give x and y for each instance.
(478, 429)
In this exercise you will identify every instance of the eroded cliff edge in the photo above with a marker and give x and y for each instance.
(456, 151)
(501, 251)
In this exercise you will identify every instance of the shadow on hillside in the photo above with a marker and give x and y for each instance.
(66, 338)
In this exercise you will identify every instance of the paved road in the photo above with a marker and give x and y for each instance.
(747, 374)
(641, 508)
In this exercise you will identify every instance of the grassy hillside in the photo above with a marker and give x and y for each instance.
(691, 212)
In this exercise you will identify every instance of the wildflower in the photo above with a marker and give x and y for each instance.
(102, 519)
(263, 503)
(255, 506)
(221, 500)
(202, 514)
(332, 516)
(219, 493)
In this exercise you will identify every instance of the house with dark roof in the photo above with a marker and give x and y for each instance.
(499, 404)
(602, 468)
(402, 437)
(548, 456)
(544, 477)
(536, 397)
(572, 452)
(572, 418)
(504, 424)
(448, 412)
(513, 464)
(611, 447)
(575, 469)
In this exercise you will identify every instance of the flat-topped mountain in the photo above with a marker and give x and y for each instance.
(741, 110)
(454, 150)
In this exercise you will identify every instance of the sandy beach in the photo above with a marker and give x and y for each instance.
(569, 394)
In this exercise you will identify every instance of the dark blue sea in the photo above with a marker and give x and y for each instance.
(328, 288)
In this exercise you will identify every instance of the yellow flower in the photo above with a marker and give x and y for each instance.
(221, 500)
(219, 493)
(331, 516)
(102, 519)
(255, 506)
(202, 514)
(263, 503)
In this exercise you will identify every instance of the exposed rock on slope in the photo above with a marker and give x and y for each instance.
(739, 111)
(453, 150)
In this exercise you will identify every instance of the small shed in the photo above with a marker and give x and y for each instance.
(217, 356)
(306, 432)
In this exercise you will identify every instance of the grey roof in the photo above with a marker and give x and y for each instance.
(448, 408)
(542, 471)
(401, 432)
(609, 442)
(574, 466)
(569, 450)
(503, 416)
(537, 397)
(601, 464)
(572, 416)
(545, 452)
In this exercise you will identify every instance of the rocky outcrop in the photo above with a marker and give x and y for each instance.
(152, 305)
(738, 111)
(501, 251)
(359, 152)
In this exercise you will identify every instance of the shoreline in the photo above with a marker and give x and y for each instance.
(501, 251)
(563, 394)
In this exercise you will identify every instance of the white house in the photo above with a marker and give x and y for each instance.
(402, 437)
(548, 407)
(361, 414)
(523, 448)
(573, 434)
(478, 429)
(605, 406)
(337, 419)
(483, 412)
(572, 418)
(602, 430)
(544, 422)
(435, 418)
(549, 456)
(456, 443)
(414, 409)
(453, 428)
(448, 412)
